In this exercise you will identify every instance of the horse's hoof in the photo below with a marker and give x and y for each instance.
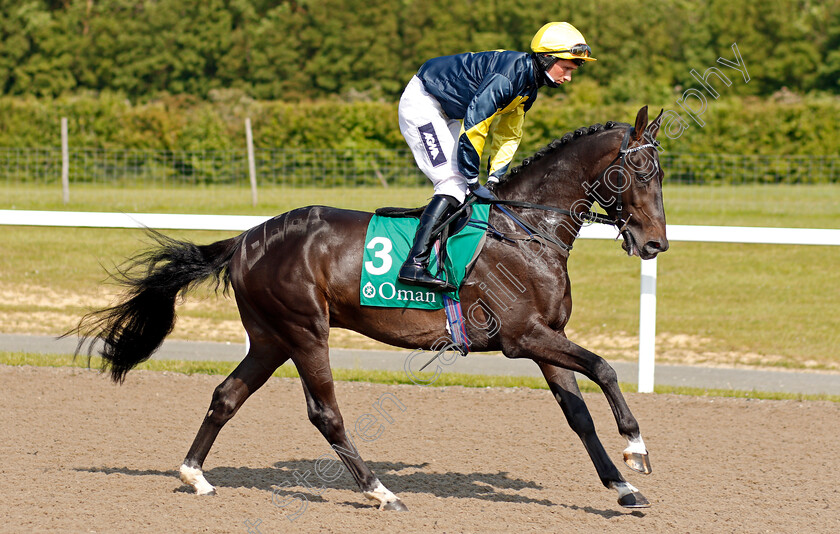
(396, 506)
(634, 500)
(193, 477)
(638, 462)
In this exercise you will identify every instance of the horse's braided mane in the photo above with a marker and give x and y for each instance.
(558, 144)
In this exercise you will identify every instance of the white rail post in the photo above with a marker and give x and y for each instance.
(647, 326)
(65, 163)
(252, 167)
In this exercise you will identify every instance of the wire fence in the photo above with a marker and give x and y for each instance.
(730, 169)
(287, 167)
(355, 167)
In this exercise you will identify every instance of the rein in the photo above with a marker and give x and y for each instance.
(591, 216)
(534, 234)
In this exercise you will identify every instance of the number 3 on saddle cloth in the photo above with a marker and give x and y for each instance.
(390, 235)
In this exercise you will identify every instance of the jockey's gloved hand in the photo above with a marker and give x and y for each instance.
(480, 191)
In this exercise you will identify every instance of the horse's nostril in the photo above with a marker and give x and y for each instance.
(656, 246)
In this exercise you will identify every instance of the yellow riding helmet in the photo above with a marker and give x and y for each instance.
(562, 40)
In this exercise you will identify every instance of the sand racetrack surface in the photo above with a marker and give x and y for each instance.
(80, 454)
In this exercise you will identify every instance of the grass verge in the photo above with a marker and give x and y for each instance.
(391, 377)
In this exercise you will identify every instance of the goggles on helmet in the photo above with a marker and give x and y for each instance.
(579, 50)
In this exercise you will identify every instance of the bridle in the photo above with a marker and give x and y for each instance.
(535, 234)
(619, 221)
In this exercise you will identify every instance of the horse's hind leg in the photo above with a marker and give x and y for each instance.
(249, 375)
(322, 408)
(565, 389)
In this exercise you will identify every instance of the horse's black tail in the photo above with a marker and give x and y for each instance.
(134, 328)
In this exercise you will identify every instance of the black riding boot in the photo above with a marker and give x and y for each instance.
(415, 269)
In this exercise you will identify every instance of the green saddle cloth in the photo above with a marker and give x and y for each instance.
(387, 244)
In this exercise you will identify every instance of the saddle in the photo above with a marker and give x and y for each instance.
(462, 218)
(454, 227)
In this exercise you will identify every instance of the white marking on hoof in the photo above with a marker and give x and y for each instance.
(192, 476)
(636, 445)
(623, 488)
(382, 494)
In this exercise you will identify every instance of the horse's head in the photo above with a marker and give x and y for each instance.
(634, 184)
(616, 165)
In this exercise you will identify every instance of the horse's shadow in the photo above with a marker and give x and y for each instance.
(300, 476)
(291, 477)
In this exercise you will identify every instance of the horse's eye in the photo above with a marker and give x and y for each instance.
(649, 171)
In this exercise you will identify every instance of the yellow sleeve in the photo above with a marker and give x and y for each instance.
(506, 138)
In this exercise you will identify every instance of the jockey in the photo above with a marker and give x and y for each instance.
(445, 114)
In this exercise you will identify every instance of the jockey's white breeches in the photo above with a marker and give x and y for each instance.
(433, 139)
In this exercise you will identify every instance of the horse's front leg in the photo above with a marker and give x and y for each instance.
(564, 386)
(544, 345)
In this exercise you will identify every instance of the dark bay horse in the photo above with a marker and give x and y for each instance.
(297, 275)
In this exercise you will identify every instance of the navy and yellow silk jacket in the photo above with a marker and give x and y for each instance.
(478, 88)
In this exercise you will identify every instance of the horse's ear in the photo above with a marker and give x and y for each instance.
(641, 123)
(653, 128)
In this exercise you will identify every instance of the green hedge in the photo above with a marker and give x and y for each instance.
(735, 125)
